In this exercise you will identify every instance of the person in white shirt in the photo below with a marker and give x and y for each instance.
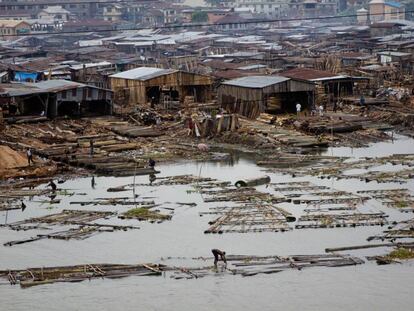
(321, 110)
(298, 109)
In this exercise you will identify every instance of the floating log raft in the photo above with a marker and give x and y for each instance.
(357, 247)
(401, 199)
(181, 180)
(337, 169)
(240, 265)
(253, 265)
(79, 233)
(251, 218)
(24, 193)
(254, 211)
(66, 217)
(144, 214)
(113, 202)
(49, 275)
(81, 219)
(400, 230)
(341, 220)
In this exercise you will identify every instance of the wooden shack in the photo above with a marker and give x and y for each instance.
(252, 95)
(160, 86)
(54, 98)
(329, 86)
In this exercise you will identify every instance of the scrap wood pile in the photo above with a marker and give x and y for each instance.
(246, 265)
(399, 115)
(82, 220)
(346, 129)
(401, 199)
(69, 141)
(328, 208)
(398, 230)
(49, 275)
(209, 126)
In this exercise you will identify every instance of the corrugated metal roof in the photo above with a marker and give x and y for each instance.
(142, 73)
(54, 85)
(257, 82)
(50, 86)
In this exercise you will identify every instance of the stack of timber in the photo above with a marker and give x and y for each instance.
(278, 135)
(136, 131)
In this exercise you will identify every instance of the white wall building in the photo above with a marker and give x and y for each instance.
(268, 7)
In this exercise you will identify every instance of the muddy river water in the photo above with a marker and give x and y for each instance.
(362, 287)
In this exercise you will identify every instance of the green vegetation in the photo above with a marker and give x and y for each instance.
(144, 214)
(401, 204)
(401, 253)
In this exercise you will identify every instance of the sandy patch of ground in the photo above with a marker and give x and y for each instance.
(11, 159)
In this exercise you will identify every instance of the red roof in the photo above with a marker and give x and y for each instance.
(307, 74)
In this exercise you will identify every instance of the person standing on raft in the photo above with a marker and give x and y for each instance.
(218, 253)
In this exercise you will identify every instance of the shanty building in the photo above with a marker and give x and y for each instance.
(329, 86)
(147, 84)
(252, 95)
(54, 98)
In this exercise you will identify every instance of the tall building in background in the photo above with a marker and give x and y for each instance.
(380, 10)
(267, 7)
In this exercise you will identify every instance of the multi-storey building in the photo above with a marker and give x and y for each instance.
(268, 7)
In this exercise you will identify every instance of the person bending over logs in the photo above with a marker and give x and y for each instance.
(218, 253)
(52, 185)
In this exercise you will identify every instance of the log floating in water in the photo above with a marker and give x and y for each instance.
(253, 182)
(348, 248)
